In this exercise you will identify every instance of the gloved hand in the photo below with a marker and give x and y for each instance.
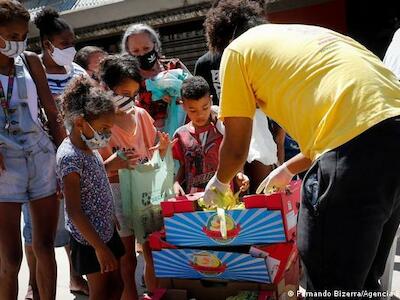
(209, 194)
(278, 178)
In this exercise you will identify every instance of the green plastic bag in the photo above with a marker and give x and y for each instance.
(142, 190)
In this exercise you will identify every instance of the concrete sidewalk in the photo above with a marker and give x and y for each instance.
(63, 276)
(63, 292)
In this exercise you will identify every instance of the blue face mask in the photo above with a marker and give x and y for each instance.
(98, 141)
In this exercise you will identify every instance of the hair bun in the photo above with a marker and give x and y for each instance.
(46, 18)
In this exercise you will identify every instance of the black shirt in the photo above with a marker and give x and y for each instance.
(207, 66)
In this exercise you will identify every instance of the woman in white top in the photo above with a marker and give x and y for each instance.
(27, 155)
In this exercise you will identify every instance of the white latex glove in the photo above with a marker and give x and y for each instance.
(278, 178)
(209, 194)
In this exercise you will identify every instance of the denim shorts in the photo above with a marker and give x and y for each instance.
(30, 173)
(62, 235)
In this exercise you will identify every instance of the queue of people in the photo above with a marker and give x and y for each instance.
(69, 121)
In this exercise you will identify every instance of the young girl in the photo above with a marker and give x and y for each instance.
(95, 245)
(135, 134)
(27, 156)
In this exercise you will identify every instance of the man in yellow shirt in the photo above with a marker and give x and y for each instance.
(340, 103)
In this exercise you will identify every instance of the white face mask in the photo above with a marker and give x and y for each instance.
(13, 48)
(63, 57)
(123, 103)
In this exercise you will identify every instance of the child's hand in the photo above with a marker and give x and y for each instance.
(2, 165)
(242, 181)
(178, 190)
(107, 260)
(164, 143)
(115, 162)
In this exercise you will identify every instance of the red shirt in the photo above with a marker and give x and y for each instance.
(197, 150)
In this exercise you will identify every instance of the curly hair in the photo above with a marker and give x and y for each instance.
(11, 10)
(228, 19)
(83, 55)
(194, 88)
(49, 23)
(83, 97)
(116, 68)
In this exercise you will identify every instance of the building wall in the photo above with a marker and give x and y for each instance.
(330, 14)
(118, 11)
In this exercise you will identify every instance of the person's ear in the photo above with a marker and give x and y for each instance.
(48, 46)
(211, 99)
(79, 123)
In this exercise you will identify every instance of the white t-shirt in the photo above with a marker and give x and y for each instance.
(32, 99)
(392, 56)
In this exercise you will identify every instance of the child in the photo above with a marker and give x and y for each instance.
(58, 48)
(95, 245)
(134, 134)
(198, 141)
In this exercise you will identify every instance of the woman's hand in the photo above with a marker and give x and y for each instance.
(167, 99)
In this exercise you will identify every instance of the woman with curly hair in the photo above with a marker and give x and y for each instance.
(337, 100)
(267, 146)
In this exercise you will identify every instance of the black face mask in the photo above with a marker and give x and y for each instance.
(148, 60)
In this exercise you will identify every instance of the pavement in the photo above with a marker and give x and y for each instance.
(63, 292)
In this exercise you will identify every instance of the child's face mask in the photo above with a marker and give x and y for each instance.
(98, 141)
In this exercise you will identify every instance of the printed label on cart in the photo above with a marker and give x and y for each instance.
(207, 264)
(213, 231)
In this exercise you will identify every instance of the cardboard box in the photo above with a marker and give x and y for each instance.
(209, 289)
(220, 290)
(266, 264)
(287, 202)
(267, 219)
(199, 264)
(279, 258)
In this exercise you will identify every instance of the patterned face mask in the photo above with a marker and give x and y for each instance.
(13, 48)
(98, 141)
(123, 103)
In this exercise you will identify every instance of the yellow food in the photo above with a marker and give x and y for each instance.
(223, 200)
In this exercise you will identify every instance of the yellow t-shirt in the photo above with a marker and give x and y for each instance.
(322, 87)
